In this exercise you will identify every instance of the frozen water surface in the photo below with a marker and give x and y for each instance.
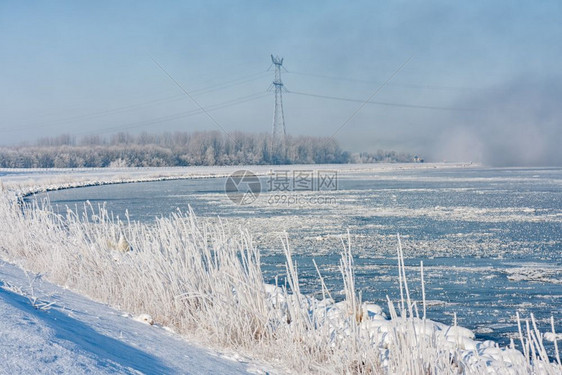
(490, 239)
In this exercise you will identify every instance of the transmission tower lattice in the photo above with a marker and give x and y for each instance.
(279, 132)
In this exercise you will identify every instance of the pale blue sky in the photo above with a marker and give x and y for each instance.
(85, 67)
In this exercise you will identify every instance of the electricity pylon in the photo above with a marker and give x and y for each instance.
(279, 133)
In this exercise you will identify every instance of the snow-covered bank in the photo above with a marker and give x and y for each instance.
(206, 282)
(27, 181)
(74, 335)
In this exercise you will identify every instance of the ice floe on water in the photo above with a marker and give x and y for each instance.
(542, 273)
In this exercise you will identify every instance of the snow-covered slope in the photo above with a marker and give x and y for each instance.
(75, 335)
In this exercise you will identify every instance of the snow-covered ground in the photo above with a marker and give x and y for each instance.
(48, 329)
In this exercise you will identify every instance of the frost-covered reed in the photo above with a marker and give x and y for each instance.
(205, 281)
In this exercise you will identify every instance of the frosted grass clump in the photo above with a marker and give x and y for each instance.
(205, 281)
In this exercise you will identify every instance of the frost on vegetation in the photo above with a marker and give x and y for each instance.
(205, 281)
(38, 303)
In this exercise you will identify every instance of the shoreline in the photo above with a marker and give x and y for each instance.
(26, 182)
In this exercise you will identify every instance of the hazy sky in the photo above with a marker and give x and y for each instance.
(483, 82)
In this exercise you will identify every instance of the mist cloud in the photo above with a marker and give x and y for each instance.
(516, 124)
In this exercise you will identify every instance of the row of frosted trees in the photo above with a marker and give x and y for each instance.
(181, 149)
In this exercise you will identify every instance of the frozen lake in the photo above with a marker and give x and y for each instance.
(490, 239)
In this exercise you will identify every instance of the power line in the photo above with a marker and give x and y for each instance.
(227, 84)
(405, 85)
(179, 115)
(94, 115)
(389, 104)
(168, 99)
(192, 98)
(372, 96)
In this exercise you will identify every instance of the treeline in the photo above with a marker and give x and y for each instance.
(182, 149)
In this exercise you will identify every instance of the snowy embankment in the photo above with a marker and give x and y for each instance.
(28, 181)
(206, 283)
(48, 329)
